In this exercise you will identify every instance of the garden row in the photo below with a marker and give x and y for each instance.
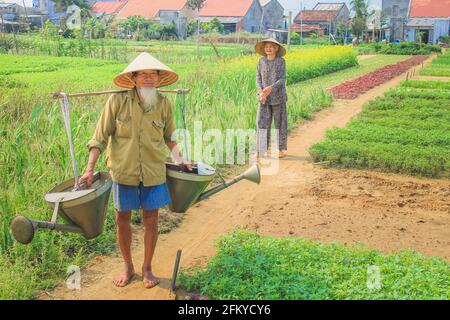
(440, 66)
(405, 47)
(250, 267)
(353, 88)
(407, 131)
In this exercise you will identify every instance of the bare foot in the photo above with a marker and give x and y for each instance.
(149, 279)
(123, 279)
(282, 154)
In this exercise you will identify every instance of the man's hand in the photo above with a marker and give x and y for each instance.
(176, 156)
(87, 178)
(184, 163)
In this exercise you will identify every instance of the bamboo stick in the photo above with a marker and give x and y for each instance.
(59, 95)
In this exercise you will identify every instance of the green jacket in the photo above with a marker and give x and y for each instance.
(134, 140)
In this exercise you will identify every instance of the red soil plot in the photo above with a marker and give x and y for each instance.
(353, 88)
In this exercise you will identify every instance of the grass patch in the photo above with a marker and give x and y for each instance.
(249, 267)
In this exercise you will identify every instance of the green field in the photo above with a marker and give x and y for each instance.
(35, 154)
(407, 131)
(251, 267)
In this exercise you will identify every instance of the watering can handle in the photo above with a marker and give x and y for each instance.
(221, 178)
(83, 186)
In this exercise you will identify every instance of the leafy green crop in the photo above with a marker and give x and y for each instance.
(248, 266)
(439, 67)
(407, 131)
(426, 84)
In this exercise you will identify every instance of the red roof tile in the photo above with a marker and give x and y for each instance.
(149, 8)
(430, 8)
(228, 8)
(107, 7)
(316, 15)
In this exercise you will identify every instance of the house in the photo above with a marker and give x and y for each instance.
(73, 17)
(324, 17)
(396, 14)
(11, 11)
(375, 27)
(162, 11)
(235, 15)
(428, 20)
(273, 14)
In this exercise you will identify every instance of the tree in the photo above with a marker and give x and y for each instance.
(361, 10)
(216, 26)
(191, 28)
(134, 25)
(197, 5)
(61, 5)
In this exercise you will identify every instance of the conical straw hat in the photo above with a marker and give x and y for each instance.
(259, 47)
(145, 61)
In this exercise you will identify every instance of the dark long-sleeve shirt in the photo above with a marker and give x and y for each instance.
(272, 73)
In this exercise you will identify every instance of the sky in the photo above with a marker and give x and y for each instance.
(289, 5)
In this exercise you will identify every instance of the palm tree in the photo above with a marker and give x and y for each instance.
(359, 22)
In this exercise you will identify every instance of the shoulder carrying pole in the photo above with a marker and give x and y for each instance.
(60, 95)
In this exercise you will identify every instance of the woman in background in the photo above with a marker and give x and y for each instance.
(271, 86)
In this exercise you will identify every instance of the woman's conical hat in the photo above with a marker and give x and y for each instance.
(145, 61)
(259, 47)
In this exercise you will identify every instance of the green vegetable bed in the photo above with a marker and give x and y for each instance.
(248, 266)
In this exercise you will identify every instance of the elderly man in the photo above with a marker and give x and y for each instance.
(134, 128)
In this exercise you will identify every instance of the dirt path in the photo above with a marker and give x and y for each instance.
(386, 212)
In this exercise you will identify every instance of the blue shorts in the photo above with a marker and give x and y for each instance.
(127, 198)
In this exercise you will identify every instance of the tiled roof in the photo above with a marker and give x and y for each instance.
(420, 22)
(328, 6)
(316, 15)
(107, 7)
(149, 8)
(228, 8)
(430, 8)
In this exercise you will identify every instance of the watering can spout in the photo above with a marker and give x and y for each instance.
(187, 188)
(252, 174)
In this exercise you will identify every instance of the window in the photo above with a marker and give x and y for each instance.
(73, 21)
(395, 10)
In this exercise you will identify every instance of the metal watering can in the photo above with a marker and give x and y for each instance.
(187, 188)
(84, 211)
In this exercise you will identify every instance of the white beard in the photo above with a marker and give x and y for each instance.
(150, 96)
